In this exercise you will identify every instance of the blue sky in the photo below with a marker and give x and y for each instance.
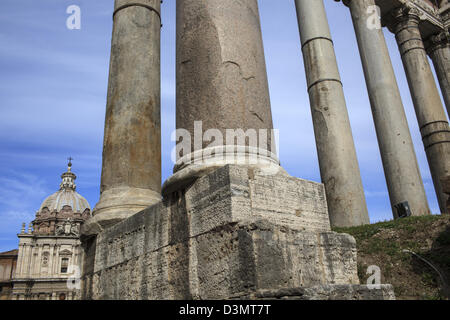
(53, 84)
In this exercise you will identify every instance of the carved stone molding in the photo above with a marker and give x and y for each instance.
(437, 41)
(407, 11)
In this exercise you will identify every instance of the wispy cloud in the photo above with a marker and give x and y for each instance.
(20, 196)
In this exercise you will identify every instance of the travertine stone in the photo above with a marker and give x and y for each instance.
(221, 79)
(326, 292)
(335, 147)
(131, 170)
(234, 193)
(438, 48)
(396, 147)
(232, 259)
(427, 102)
(223, 238)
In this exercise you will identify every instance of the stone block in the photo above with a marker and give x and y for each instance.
(232, 233)
(240, 258)
(233, 194)
(325, 292)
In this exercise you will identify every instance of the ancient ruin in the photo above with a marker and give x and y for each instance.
(230, 222)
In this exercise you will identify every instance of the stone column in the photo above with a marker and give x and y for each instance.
(396, 147)
(222, 90)
(446, 188)
(427, 102)
(25, 265)
(57, 265)
(51, 259)
(339, 167)
(438, 48)
(131, 169)
(38, 260)
(19, 265)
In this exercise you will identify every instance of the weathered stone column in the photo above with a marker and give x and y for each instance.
(222, 90)
(438, 48)
(396, 147)
(335, 147)
(131, 170)
(446, 188)
(427, 102)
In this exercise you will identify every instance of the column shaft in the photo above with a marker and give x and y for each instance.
(335, 147)
(131, 169)
(427, 102)
(396, 147)
(439, 52)
(221, 86)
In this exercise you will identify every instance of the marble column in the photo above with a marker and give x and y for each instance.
(339, 167)
(400, 165)
(131, 169)
(427, 102)
(222, 90)
(438, 48)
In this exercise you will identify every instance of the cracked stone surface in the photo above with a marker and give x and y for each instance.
(221, 70)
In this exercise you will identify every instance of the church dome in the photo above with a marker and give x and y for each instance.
(66, 196)
(63, 212)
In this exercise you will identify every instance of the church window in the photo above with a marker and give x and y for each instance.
(64, 265)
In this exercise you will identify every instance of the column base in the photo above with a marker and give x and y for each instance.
(116, 205)
(202, 162)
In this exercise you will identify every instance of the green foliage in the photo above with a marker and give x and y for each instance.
(383, 244)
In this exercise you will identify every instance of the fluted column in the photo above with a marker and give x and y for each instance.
(222, 89)
(438, 48)
(401, 170)
(339, 167)
(131, 169)
(427, 102)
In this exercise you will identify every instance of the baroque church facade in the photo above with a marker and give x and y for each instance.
(49, 255)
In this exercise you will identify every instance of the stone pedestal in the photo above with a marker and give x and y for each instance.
(234, 233)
